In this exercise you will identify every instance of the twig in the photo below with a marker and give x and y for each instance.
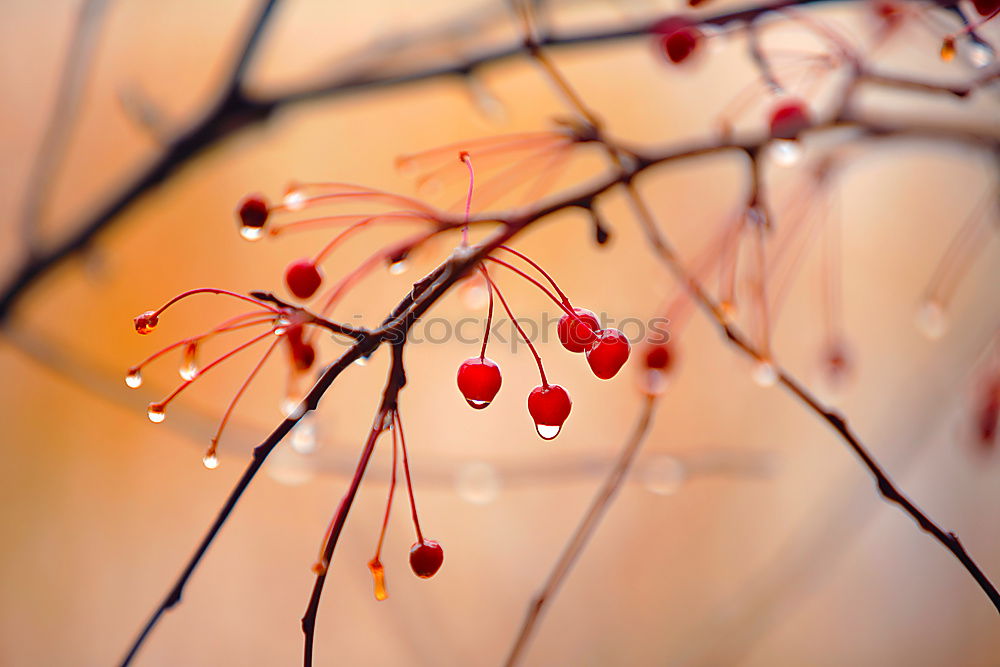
(584, 530)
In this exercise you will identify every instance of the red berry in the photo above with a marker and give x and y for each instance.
(146, 322)
(253, 211)
(577, 333)
(549, 406)
(789, 119)
(659, 357)
(679, 38)
(479, 381)
(986, 7)
(426, 558)
(608, 354)
(303, 353)
(303, 278)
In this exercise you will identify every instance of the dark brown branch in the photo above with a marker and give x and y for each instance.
(236, 110)
(584, 530)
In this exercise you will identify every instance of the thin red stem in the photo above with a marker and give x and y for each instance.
(489, 313)
(503, 302)
(464, 157)
(406, 469)
(562, 295)
(239, 394)
(392, 491)
(534, 282)
(213, 290)
(233, 324)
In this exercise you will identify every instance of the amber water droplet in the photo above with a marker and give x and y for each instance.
(146, 322)
(189, 367)
(948, 49)
(318, 568)
(210, 461)
(765, 374)
(134, 378)
(378, 577)
(547, 431)
(156, 412)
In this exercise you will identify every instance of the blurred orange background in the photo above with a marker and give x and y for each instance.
(774, 549)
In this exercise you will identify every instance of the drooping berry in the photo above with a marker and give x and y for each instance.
(549, 406)
(479, 381)
(302, 352)
(658, 362)
(146, 322)
(679, 38)
(253, 212)
(577, 333)
(608, 354)
(659, 357)
(426, 558)
(303, 278)
(788, 119)
(986, 7)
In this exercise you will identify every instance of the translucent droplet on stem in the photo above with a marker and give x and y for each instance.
(291, 408)
(378, 577)
(251, 233)
(304, 437)
(663, 475)
(189, 367)
(134, 378)
(210, 461)
(786, 152)
(547, 431)
(398, 268)
(478, 405)
(477, 483)
(156, 412)
(931, 320)
(980, 55)
(294, 200)
(361, 361)
(765, 374)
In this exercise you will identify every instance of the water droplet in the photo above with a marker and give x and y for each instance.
(189, 367)
(398, 268)
(295, 200)
(654, 381)
(478, 405)
(251, 233)
(134, 378)
(786, 152)
(156, 412)
(980, 55)
(475, 296)
(291, 408)
(280, 331)
(948, 49)
(210, 461)
(146, 322)
(361, 361)
(477, 483)
(765, 374)
(547, 431)
(304, 437)
(663, 475)
(378, 577)
(728, 309)
(931, 320)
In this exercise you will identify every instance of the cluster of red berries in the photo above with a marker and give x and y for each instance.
(549, 405)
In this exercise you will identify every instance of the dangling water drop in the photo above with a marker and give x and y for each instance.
(786, 152)
(134, 378)
(474, 295)
(547, 432)
(398, 268)
(251, 233)
(361, 361)
(663, 475)
(156, 412)
(477, 483)
(654, 382)
(292, 409)
(478, 405)
(378, 575)
(294, 200)
(948, 49)
(304, 437)
(210, 461)
(189, 367)
(980, 55)
(931, 320)
(765, 374)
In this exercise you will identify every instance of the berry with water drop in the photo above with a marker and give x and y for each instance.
(549, 406)
(479, 381)
(789, 119)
